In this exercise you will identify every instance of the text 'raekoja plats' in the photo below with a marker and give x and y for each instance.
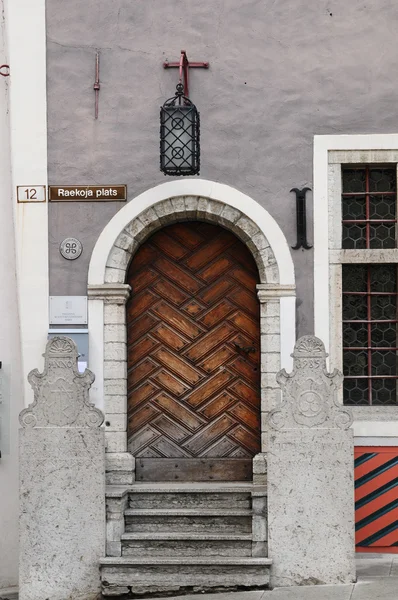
(76, 193)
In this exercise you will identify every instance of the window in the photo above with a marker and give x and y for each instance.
(369, 207)
(369, 303)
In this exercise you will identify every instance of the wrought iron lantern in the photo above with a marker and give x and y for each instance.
(179, 135)
(179, 125)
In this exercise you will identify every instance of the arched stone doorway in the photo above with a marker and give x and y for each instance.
(193, 356)
(191, 199)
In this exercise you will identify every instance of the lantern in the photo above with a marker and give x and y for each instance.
(179, 135)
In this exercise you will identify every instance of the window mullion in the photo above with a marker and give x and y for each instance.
(367, 207)
(369, 333)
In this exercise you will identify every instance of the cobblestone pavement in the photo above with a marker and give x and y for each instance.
(377, 580)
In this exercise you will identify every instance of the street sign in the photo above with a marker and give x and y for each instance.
(87, 193)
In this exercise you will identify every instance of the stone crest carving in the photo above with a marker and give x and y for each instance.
(309, 392)
(61, 392)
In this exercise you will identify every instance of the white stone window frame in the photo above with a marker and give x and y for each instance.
(189, 199)
(373, 425)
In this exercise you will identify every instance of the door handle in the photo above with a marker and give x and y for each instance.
(245, 349)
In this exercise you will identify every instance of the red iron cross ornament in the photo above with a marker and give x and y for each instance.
(184, 65)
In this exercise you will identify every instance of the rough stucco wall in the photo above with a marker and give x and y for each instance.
(280, 72)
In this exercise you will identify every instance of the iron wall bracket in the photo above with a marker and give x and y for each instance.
(97, 85)
(184, 65)
(301, 218)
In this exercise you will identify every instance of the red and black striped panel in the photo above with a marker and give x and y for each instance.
(376, 499)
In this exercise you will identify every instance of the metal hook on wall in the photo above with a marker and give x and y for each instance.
(301, 218)
(96, 84)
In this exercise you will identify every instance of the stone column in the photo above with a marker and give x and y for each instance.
(62, 491)
(120, 464)
(310, 475)
(269, 295)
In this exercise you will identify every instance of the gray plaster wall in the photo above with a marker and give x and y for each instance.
(280, 72)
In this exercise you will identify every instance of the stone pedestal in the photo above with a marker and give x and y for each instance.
(62, 520)
(310, 476)
(62, 483)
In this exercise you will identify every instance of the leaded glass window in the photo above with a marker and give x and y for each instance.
(370, 335)
(369, 207)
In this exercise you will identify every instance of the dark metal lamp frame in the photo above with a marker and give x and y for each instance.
(180, 125)
(182, 141)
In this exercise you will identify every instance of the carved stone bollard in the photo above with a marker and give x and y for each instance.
(311, 475)
(62, 482)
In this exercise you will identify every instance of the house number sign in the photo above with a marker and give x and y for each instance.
(31, 193)
(71, 248)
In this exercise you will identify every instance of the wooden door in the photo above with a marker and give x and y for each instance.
(193, 356)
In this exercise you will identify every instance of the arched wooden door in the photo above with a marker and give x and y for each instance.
(193, 356)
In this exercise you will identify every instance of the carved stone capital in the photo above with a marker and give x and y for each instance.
(274, 291)
(110, 293)
(61, 392)
(309, 392)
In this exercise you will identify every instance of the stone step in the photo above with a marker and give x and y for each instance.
(129, 575)
(162, 487)
(199, 520)
(188, 512)
(191, 499)
(185, 544)
(184, 536)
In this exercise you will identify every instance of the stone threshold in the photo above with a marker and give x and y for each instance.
(116, 491)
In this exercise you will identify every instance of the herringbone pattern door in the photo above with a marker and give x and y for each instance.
(193, 356)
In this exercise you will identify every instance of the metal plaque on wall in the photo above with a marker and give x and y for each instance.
(68, 310)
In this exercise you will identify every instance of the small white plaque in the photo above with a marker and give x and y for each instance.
(31, 193)
(68, 310)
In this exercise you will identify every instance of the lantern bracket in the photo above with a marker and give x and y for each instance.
(301, 219)
(184, 65)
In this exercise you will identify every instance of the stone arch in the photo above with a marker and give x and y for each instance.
(192, 199)
(183, 208)
(174, 201)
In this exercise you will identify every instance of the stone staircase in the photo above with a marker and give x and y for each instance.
(175, 538)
